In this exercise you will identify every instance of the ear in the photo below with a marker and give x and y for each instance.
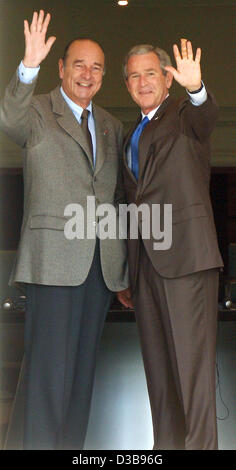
(127, 84)
(61, 68)
(169, 79)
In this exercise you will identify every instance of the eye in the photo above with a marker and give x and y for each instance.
(97, 68)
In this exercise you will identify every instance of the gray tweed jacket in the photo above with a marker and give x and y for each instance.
(58, 171)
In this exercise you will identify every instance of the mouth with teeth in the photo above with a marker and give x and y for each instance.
(84, 85)
(145, 92)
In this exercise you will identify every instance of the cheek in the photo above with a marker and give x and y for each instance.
(97, 85)
(130, 88)
(133, 91)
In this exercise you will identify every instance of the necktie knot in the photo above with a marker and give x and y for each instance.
(85, 114)
(134, 145)
(143, 123)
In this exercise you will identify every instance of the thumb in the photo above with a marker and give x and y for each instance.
(171, 69)
(50, 42)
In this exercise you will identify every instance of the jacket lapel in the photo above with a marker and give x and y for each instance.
(147, 134)
(68, 122)
(144, 144)
(146, 140)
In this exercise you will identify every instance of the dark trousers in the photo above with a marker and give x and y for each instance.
(177, 321)
(62, 333)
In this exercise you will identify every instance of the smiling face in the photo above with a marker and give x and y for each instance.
(146, 82)
(81, 72)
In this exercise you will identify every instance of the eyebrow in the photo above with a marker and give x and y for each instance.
(81, 61)
(146, 70)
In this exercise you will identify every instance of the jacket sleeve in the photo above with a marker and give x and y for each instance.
(15, 110)
(198, 121)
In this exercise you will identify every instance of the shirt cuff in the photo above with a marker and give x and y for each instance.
(27, 74)
(198, 98)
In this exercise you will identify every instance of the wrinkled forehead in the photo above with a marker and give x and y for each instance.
(85, 50)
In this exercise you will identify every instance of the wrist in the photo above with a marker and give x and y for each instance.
(195, 89)
(30, 63)
(27, 74)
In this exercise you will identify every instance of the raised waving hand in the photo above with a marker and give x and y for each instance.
(36, 45)
(188, 71)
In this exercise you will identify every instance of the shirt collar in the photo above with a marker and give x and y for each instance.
(75, 107)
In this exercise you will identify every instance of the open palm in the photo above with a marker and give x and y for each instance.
(36, 46)
(188, 71)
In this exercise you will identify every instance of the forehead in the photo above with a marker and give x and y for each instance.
(85, 50)
(141, 62)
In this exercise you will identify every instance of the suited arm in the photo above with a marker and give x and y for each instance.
(15, 108)
(15, 112)
(198, 121)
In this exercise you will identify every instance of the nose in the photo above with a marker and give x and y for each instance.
(142, 80)
(87, 73)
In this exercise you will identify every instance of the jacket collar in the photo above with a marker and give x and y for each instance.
(69, 123)
(145, 138)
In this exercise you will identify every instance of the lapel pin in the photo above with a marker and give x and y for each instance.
(105, 132)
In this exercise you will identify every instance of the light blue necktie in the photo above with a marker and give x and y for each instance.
(134, 146)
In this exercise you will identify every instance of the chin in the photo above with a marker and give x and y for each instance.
(147, 104)
(147, 108)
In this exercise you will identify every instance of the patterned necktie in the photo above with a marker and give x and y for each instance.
(84, 125)
(134, 145)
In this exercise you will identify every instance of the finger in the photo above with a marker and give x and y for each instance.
(198, 55)
(26, 28)
(40, 21)
(131, 305)
(46, 23)
(50, 42)
(34, 22)
(184, 48)
(176, 53)
(189, 50)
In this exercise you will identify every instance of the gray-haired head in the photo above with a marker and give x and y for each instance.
(145, 49)
(80, 38)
